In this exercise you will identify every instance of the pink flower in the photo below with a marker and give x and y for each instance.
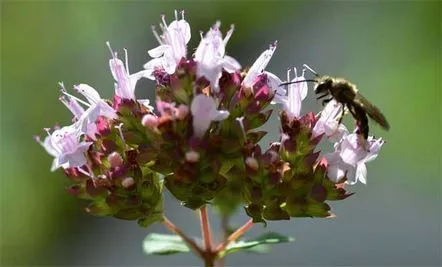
(296, 93)
(350, 156)
(328, 122)
(204, 111)
(172, 48)
(85, 119)
(258, 68)
(65, 146)
(211, 57)
(125, 82)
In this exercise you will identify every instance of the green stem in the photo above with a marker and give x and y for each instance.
(192, 245)
(205, 229)
(209, 255)
(235, 235)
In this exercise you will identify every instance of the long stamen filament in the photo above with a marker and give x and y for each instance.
(63, 91)
(120, 131)
(126, 59)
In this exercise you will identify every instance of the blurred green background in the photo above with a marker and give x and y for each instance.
(392, 51)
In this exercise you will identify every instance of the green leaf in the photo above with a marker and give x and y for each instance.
(161, 244)
(258, 244)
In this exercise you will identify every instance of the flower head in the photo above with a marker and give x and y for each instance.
(297, 92)
(328, 122)
(203, 137)
(211, 57)
(172, 48)
(65, 146)
(350, 156)
(125, 82)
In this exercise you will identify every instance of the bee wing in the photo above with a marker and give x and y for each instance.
(372, 111)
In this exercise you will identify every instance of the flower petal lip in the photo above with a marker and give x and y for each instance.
(203, 109)
(259, 65)
(65, 146)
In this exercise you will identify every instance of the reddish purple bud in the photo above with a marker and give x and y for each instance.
(150, 121)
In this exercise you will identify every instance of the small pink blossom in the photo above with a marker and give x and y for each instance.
(125, 82)
(296, 93)
(211, 57)
(204, 111)
(85, 119)
(328, 122)
(149, 121)
(115, 159)
(350, 156)
(172, 48)
(65, 146)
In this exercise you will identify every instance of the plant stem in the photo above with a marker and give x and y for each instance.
(235, 235)
(205, 229)
(209, 255)
(192, 245)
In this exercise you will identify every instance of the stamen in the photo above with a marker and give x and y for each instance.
(229, 34)
(37, 139)
(182, 14)
(120, 131)
(47, 130)
(176, 15)
(201, 34)
(217, 25)
(288, 74)
(156, 35)
(163, 18)
(63, 91)
(84, 172)
(311, 70)
(295, 71)
(126, 59)
(240, 120)
(113, 54)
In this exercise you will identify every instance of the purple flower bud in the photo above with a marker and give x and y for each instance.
(150, 121)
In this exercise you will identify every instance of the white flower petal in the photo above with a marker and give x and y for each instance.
(158, 51)
(258, 67)
(361, 173)
(88, 92)
(230, 64)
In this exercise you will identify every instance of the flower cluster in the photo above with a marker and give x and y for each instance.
(202, 142)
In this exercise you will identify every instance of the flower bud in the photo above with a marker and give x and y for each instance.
(115, 159)
(192, 156)
(150, 121)
(128, 182)
(252, 163)
(182, 111)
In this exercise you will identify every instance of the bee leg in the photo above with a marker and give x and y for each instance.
(325, 101)
(342, 114)
(322, 96)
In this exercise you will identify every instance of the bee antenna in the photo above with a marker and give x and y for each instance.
(300, 81)
(311, 70)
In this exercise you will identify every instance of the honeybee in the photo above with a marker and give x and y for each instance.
(346, 93)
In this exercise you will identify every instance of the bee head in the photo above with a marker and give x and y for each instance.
(324, 85)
